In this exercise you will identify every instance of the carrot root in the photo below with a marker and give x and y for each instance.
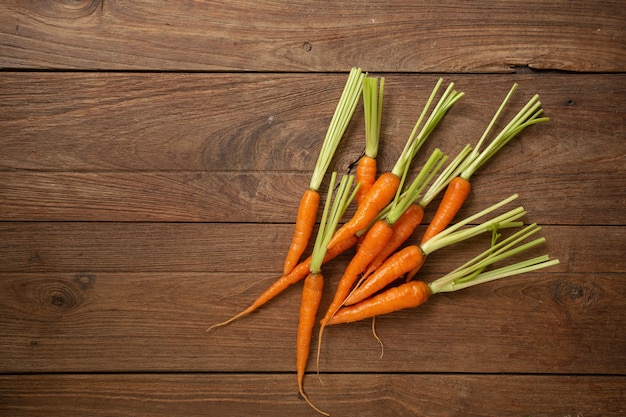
(454, 197)
(311, 298)
(408, 295)
(305, 221)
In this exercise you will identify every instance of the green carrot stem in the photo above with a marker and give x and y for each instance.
(338, 125)
(372, 106)
(527, 116)
(418, 137)
(453, 170)
(501, 251)
(331, 217)
(446, 237)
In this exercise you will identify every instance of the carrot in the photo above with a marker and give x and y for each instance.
(460, 187)
(309, 203)
(415, 293)
(412, 257)
(407, 295)
(314, 282)
(454, 197)
(389, 183)
(372, 106)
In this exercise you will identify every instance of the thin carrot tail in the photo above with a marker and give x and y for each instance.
(452, 201)
(366, 175)
(305, 221)
(408, 295)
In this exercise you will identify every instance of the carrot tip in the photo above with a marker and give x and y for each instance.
(308, 401)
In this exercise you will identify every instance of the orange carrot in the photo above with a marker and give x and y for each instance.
(311, 298)
(415, 293)
(454, 197)
(402, 230)
(314, 282)
(309, 203)
(460, 187)
(297, 274)
(305, 221)
(375, 240)
(398, 264)
(407, 295)
(381, 193)
(365, 175)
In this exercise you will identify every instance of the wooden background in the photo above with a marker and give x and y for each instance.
(152, 154)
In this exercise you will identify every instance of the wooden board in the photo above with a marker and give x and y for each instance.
(152, 155)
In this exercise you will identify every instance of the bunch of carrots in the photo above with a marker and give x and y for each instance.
(381, 275)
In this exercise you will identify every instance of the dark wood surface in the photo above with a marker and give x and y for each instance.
(152, 155)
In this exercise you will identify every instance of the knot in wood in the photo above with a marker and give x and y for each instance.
(581, 294)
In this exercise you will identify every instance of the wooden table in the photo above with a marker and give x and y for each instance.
(152, 155)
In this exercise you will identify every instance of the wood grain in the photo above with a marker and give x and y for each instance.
(398, 36)
(346, 395)
(151, 156)
(238, 247)
(556, 322)
(277, 122)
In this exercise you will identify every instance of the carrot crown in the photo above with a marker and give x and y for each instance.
(338, 124)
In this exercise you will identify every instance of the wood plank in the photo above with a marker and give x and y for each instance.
(545, 322)
(276, 122)
(211, 247)
(249, 197)
(493, 36)
(347, 395)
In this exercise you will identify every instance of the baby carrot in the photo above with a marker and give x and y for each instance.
(309, 203)
(459, 188)
(415, 293)
(314, 282)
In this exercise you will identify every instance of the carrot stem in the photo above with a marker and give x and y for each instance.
(464, 276)
(527, 116)
(373, 108)
(338, 125)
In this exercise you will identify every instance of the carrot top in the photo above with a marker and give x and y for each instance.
(418, 137)
(527, 116)
(373, 108)
(471, 273)
(338, 124)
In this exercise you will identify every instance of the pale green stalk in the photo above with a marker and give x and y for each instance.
(331, 217)
(373, 108)
(527, 116)
(465, 276)
(338, 125)
(447, 237)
